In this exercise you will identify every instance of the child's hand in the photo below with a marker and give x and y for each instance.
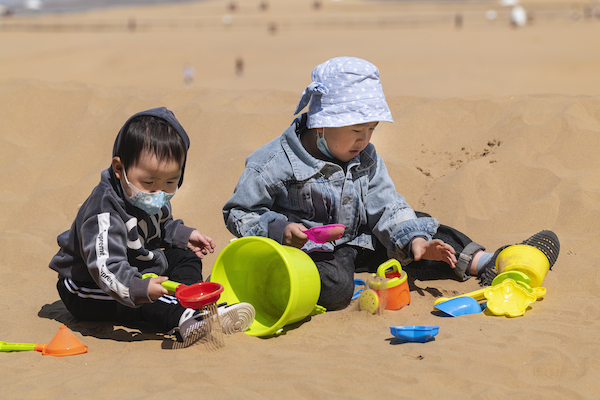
(200, 244)
(293, 236)
(435, 250)
(155, 289)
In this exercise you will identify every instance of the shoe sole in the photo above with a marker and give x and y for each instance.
(547, 242)
(236, 318)
(193, 334)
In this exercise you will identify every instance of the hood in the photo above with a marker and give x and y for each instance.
(167, 115)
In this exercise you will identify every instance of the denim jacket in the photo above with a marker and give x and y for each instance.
(283, 183)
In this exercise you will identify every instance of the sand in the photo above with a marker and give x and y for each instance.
(497, 133)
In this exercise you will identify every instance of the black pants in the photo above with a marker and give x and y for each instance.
(184, 267)
(337, 269)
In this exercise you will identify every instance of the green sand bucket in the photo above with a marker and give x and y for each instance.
(281, 282)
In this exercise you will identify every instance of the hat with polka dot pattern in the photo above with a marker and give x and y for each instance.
(344, 91)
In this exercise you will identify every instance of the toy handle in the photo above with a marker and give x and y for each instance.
(318, 310)
(393, 263)
(21, 346)
(357, 288)
(169, 285)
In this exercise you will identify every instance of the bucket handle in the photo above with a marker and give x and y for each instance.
(318, 310)
(392, 263)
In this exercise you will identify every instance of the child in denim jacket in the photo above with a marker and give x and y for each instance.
(324, 170)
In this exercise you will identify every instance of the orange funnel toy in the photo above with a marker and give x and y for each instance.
(63, 344)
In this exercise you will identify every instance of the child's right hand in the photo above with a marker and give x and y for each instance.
(155, 289)
(435, 250)
(293, 235)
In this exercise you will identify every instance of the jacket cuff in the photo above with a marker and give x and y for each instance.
(182, 236)
(424, 227)
(138, 291)
(276, 229)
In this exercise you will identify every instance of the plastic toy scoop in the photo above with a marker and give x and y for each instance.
(460, 306)
(325, 233)
(194, 296)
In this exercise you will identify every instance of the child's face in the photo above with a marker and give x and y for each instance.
(346, 142)
(150, 174)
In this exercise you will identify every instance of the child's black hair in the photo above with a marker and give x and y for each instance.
(152, 134)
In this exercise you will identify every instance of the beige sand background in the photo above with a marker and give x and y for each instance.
(497, 133)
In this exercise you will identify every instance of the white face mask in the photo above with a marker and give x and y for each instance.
(148, 202)
(322, 145)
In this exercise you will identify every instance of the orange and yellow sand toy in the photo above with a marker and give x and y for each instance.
(391, 287)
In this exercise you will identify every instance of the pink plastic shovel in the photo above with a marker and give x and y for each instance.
(325, 233)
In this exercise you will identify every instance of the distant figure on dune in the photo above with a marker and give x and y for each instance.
(131, 24)
(227, 19)
(35, 5)
(458, 21)
(518, 16)
(239, 66)
(272, 28)
(188, 75)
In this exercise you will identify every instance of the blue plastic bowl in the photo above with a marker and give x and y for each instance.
(414, 333)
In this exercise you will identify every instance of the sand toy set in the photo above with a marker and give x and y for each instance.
(522, 269)
(388, 290)
(282, 284)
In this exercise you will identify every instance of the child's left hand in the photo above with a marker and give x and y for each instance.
(435, 250)
(200, 244)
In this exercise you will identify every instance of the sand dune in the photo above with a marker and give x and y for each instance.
(497, 157)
